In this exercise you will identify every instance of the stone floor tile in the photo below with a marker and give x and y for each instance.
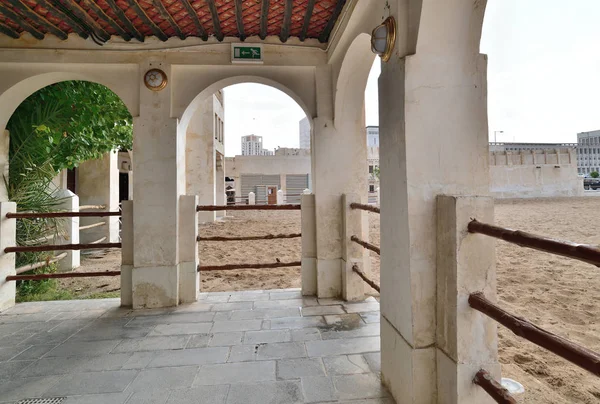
(267, 336)
(231, 373)
(374, 361)
(345, 320)
(198, 341)
(174, 318)
(248, 297)
(297, 368)
(283, 392)
(232, 306)
(34, 352)
(163, 378)
(240, 325)
(365, 330)
(112, 381)
(149, 397)
(318, 389)
(264, 314)
(306, 334)
(138, 360)
(295, 323)
(380, 400)
(243, 353)
(152, 344)
(75, 364)
(202, 394)
(371, 317)
(285, 295)
(10, 352)
(265, 325)
(11, 328)
(361, 307)
(226, 338)
(278, 304)
(219, 299)
(359, 386)
(328, 301)
(346, 365)
(223, 315)
(189, 357)
(10, 370)
(83, 348)
(26, 318)
(112, 398)
(281, 350)
(111, 332)
(200, 306)
(180, 329)
(342, 346)
(32, 387)
(322, 310)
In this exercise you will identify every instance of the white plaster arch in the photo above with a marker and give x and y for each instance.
(352, 80)
(16, 93)
(239, 79)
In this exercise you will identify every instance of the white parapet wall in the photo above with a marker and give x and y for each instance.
(534, 174)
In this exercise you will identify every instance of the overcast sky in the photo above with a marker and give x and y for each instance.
(543, 79)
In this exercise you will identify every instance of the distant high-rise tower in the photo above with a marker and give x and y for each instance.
(373, 136)
(304, 134)
(252, 146)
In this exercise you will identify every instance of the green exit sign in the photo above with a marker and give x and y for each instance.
(246, 53)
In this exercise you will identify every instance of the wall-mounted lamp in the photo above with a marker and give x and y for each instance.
(383, 39)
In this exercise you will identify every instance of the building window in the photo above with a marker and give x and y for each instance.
(370, 169)
(371, 188)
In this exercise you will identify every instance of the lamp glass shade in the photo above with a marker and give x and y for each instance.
(379, 39)
(383, 39)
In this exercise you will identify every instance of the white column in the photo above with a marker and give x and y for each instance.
(466, 340)
(353, 287)
(200, 158)
(280, 197)
(378, 196)
(8, 236)
(159, 167)
(70, 230)
(251, 198)
(220, 196)
(126, 253)
(189, 277)
(309, 245)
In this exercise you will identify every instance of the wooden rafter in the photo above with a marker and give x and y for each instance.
(104, 17)
(194, 16)
(264, 14)
(215, 18)
(164, 13)
(309, 11)
(239, 19)
(6, 30)
(144, 17)
(75, 9)
(17, 19)
(67, 19)
(287, 21)
(324, 37)
(124, 20)
(38, 19)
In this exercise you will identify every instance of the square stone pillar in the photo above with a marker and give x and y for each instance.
(220, 196)
(70, 230)
(4, 159)
(466, 340)
(189, 277)
(159, 180)
(353, 287)
(309, 245)
(126, 253)
(8, 236)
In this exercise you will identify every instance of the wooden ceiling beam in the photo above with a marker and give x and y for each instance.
(164, 13)
(20, 21)
(239, 19)
(6, 30)
(104, 17)
(287, 21)
(81, 31)
(144, 17)
(131, 29)
(194, 16)
(264, 14)
(78, 12)
(38, 19)
(324, 37)
(309, 11)
(215, 18)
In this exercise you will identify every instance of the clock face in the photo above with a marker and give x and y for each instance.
(155, 79)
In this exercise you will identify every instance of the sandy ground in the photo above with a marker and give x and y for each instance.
(559, 294)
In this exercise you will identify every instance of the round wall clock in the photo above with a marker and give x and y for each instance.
(155, 79)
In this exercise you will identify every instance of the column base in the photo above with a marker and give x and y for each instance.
(354, 286)
(189, 282)
(126, 285)
(309, 276)
(155, 287)
(329, 278)
(8, 293)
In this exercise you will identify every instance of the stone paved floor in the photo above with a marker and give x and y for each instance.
(246, 347)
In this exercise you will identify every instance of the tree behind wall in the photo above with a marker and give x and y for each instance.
(594, 174)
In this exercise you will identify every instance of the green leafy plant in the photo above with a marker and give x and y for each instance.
(594, 174)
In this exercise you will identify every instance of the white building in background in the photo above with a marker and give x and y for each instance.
(373, 158)
(252, 145)
(373, 136)
(304, 127)
(588, 152)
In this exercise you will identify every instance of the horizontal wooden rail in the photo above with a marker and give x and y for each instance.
(581, 252)
(32, 215)
(493, 388)
(579, 355)
(211, 208)
(40, 264)
(364, 278)
(39, 277)
(368, 246)
(60, 247)
(248, 266)
(362, 206)
(264, 237)
(92, 207)
(91, 226)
